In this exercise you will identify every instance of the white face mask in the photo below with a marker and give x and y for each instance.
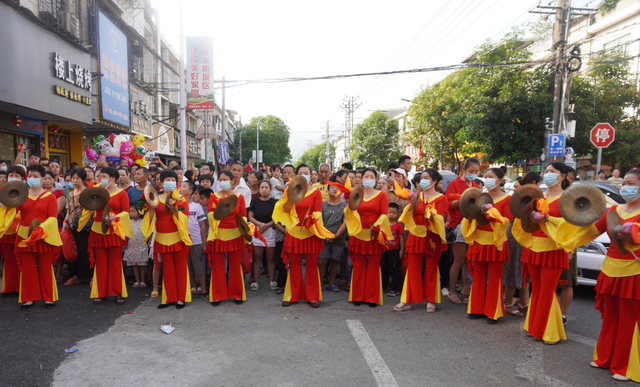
(490, 183)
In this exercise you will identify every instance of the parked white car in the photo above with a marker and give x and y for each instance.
(590, 258)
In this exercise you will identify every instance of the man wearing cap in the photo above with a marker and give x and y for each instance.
(401, 178)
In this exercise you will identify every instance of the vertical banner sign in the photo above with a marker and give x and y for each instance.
(114, 66)
(224, 151)
(199, 72)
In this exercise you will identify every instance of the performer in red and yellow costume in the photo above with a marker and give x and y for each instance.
(369, 230)
(224, 237)
(172, 241)
(618, 291)
(488, 251)
(544, 256)
(424, 219)
(105, 250)
(35, 252)
(304, 234)
(10, 272)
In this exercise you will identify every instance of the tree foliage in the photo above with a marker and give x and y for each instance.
(274, 140)
(375, 141)
(316, 155)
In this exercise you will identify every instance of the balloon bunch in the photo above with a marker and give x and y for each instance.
(117, 147)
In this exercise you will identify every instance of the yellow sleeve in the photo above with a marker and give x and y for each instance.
(385, 227)
(84, 219)
(436, 226)
(287, 219)
(318, 227)
(468, 228)
(407, 219)
(213, 227)
(568, 236)
(523, 237)
(122, 227)
(7, 216)
(148, 226)
(50, 226)
(182, 222)
(352, 218)
(500, 232)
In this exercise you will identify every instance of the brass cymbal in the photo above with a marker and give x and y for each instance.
(528, 225)
(582, 204)
(467, 203)
(13, 194)
(105, 218)
(94, 199)
(481, 200)
(522, 197)
(297, 189)
(151, 196)
(243, 227)
(225, 207)
(614, 225)
(356, 197)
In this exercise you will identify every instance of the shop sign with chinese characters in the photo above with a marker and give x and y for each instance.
(199, 72)
(73, 74)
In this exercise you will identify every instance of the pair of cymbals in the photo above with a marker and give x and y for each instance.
(151, 196)
(356, 197)
(471, 202)
(13, 194)
(297, 189)
(93, 199)
(225, 207)
(582, 204)
(522, 204)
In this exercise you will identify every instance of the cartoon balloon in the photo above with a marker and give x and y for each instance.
(118, 140)
(111, 152)
(138, 139)
(113, 161)
(112, 137)
(150, 156)
(129, 161)
(141, 162)
(91, 154)
(102, 145)
(137, 154)
(126, 148)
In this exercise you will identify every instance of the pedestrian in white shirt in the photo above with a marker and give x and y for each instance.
(238, 184)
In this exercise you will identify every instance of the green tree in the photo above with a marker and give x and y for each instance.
(375, 141)
(316, 155)
(274, 140)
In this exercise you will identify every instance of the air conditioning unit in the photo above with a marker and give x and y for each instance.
(73, 25)
(145, 78)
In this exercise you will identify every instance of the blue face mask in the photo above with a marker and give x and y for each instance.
(104, 183)
(550, 179)
(14, 179)
(368, 183)
(490, 183)
(169, 185)
(224, 185)
(34, 182)
(308, 177)
(68, 185)
(425, 184)
(471, 176)
(629, 193)
(3, 168)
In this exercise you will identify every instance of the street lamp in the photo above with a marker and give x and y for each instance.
(258, 142)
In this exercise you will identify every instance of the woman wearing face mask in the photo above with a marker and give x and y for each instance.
(617, 297)
(36, 251)
(544, 261)
(459, 246)
(10, 272)
(369, 230)
(424, 219)
(305, 231)
(488, 250)
(172, 241)
(48, 182)
(224, 237)
(105, 249)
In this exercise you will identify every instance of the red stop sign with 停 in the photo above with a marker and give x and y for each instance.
(602, 135)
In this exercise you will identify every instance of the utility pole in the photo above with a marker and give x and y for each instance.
(224, 110)
(183, 98)
(349, 106)
(560, 34)
(327, 153)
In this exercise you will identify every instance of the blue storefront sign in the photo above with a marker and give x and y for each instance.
(114, 67)
(224, 151)
(556, 144)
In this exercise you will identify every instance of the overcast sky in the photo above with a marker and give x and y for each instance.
(274, 39)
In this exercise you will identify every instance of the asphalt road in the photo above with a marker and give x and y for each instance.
(261, 343)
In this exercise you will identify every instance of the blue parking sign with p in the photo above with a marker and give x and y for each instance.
(556, 144)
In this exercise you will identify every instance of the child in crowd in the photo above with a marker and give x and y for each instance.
(206, 181)
(392, 258)
(277, 185)
(136, 253)
(204, 196)
(196, 262)
(333, 218)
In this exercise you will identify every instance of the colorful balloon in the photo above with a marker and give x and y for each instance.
(91, 154)
(126, 148)
(113, 161)
(138, 139)
(111, 152)
(141, 162)
(129, 161)
(137, 153)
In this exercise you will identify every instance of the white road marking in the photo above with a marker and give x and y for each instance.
(581, 339)
(379, 369)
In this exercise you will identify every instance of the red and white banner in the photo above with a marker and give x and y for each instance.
(199, 72)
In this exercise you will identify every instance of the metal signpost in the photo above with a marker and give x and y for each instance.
(602, 135)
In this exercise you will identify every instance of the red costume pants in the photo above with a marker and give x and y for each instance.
(366, 279)
(617, 347)
(417, 287)
(486, 289)
(308, 288)
(219, 288)
(175, 276)
(10, 272)
(544, 318)
(108, 278)
(37, 281)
